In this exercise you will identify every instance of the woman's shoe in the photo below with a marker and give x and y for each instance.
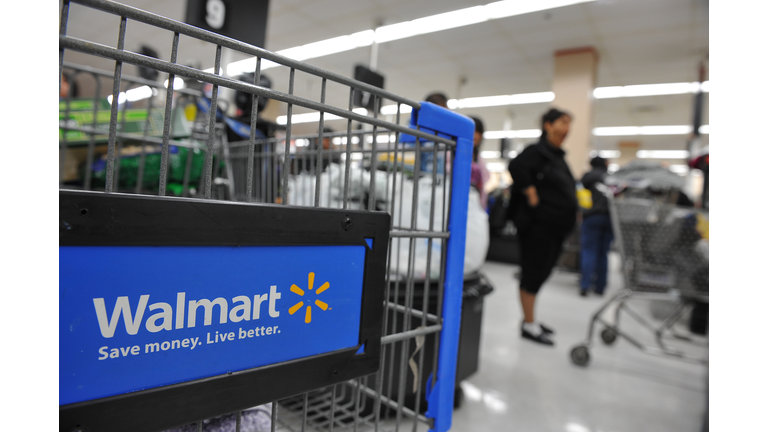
(546, 329)
(541, 338)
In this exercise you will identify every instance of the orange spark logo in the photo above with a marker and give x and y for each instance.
(296, 290)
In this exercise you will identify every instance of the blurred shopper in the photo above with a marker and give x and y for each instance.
(443, 162)
(438, 98)
(68, 87)
(239, 127)
(596, 231)
(701, 162)
(480, 174)
(544, 208)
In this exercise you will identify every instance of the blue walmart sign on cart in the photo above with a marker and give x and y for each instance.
(162, 300)
(195, 312)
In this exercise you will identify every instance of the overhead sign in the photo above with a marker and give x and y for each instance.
(368, 76)
(244, 20)
(164, 299)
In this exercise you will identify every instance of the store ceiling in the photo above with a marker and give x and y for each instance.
(638, 41)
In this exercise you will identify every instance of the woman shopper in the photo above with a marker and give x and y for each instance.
(543, 209)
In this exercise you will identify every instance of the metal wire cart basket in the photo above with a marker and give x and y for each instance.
(221, 273)
(665, 263)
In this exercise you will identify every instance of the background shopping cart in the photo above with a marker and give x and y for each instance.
(159, 151)
(664, 252)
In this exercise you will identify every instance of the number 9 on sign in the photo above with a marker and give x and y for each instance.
(215, 13)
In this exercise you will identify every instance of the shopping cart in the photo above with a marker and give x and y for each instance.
(84, 137)
(185, 185)
(665, 267)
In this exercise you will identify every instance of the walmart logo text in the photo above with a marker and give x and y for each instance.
(243, 308)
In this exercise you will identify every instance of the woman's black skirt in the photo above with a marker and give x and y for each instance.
(540, 248)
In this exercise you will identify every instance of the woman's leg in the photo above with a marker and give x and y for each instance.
(530, 262)
(540, 251)
(531, 259)
(528, 301)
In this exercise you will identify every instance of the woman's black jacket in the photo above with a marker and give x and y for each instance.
(543, 166)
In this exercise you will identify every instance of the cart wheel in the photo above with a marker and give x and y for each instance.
(609, 336)
(580, 355)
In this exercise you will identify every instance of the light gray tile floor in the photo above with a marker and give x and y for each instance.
(523, 386)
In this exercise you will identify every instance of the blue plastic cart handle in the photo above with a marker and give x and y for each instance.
(434, 118)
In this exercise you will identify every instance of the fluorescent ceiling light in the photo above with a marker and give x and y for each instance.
(140, 93)
(679, 169)
(381, 139)
(392, 109)
(343, 140)
(666, 130)
(134, 95)
(603, 131)
(575, 427)
(465, 17)
(489, 101)
(240, 67)
(649, 90)
(300, 118)
(507, 8)
(355, 156)
(599, 93)
(406, 29)
(178, 83)
(616, 131)
(314, 117)
(663, 154)
(490, 154)
(643, 130)
(120, 98)
(522, 133)
(605, 154)
(431, 24)
(329, 46)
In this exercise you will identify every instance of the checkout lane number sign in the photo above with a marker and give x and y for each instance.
(134, 318)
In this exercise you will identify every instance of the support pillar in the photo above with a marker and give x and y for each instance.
(628, 151)
(573, 83)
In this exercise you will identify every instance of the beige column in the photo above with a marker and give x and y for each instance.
(628, 151)
(573, 83)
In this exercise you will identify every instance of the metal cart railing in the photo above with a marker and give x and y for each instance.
(664, 252)
(178, 155)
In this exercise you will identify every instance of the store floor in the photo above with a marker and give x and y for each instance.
(526, 387)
